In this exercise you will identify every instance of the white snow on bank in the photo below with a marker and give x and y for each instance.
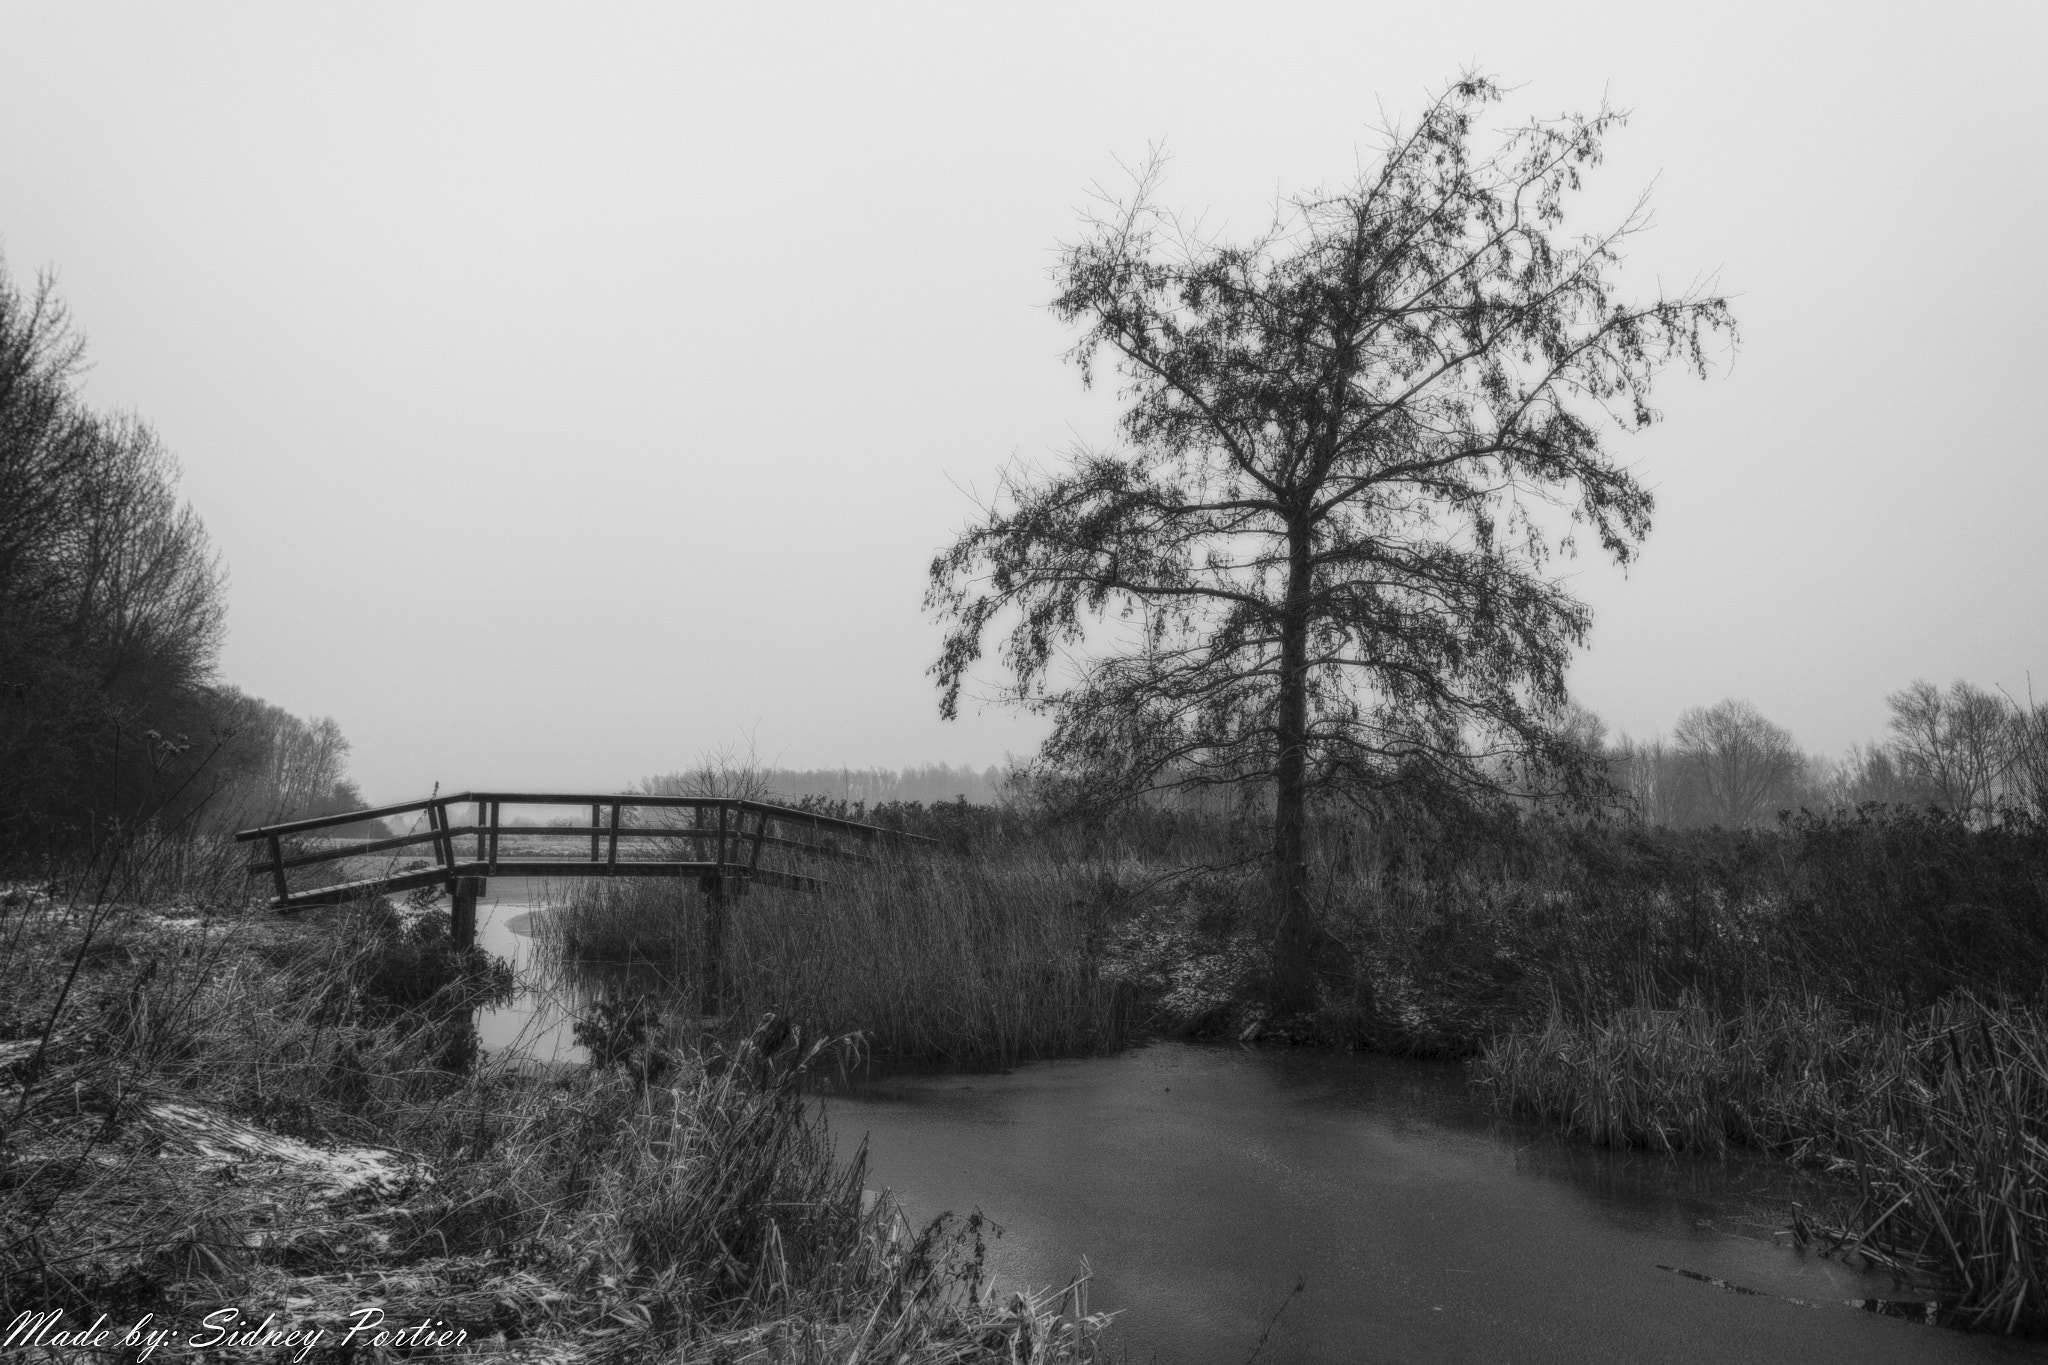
(325, 1175)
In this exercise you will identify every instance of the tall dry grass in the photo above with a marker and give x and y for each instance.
(983, 957)
(1940, 1117)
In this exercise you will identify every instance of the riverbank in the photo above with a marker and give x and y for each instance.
(1860, 996)
(213, 1111)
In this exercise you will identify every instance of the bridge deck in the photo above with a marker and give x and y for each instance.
(716, 839)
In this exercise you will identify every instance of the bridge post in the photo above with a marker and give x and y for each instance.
(462, 910)
(718, 895)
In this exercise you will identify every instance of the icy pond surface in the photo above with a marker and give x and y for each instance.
(1203, 1182)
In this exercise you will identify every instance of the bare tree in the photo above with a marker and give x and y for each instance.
(144, 584)
(1743, 763)
(1317, 563)
(1959, 742)
(2030, 754)
(1652, 780)
(276, 765)
(1873, 774)
(45, 446)
(110, 598)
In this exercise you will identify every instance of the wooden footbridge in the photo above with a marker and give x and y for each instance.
(727, 844)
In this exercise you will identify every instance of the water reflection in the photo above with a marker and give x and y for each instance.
(537, 1023)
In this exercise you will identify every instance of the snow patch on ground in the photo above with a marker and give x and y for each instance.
(323, 1175)
(23, 895)
(16, 1050)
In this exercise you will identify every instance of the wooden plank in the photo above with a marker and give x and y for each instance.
(781, 812)
(494, 834)
(353, 850)
(596, 799)
(575, 868)
(760, 837)
(597, 831)
(368, 886)
(612, 850)
(843, 855)
(326, 821)
(578, 867)
(833, 822)
(483, 820)
(595, 816)
(594, 832)
(434, 876)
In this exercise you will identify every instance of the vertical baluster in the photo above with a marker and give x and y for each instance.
(437, 821)
(712, 1001)
(277, 870)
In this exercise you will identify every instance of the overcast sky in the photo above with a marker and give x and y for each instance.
(573, 391)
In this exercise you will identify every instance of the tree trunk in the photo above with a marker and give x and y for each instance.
(1291, 986)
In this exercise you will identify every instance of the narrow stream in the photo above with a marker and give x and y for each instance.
(538, 1023)
(1203, 1182)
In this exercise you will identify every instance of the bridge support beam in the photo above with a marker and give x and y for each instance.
(719, 893)
(462, 910)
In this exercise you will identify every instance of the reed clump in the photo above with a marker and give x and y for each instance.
(1940, 1117)
(1683, 1078)
(984, 957)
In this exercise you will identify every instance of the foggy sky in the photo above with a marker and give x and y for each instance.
(575, 393)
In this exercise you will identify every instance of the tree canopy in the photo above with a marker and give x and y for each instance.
(1350, 448)
(1742, 762)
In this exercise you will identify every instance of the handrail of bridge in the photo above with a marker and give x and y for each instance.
(736, 859)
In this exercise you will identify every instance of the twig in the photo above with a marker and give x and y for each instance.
(1300, 1283)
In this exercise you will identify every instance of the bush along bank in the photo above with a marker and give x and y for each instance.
(225, 1113)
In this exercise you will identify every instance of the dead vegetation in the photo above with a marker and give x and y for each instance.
(225, 1110)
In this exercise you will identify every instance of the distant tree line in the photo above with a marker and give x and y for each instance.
(727, 774)
(1969, 751)
(111, 620)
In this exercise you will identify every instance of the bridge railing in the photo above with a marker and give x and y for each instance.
(726, 841)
